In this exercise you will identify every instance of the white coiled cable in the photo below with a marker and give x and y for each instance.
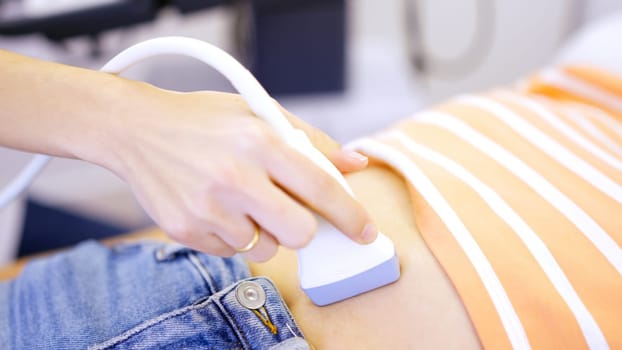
(242, 80)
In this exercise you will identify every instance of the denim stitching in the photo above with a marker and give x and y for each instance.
(148, 324)
(214, 299)
(232, 323)
(203, 271)
(291, 318)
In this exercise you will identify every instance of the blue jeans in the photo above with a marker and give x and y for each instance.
(143, 295)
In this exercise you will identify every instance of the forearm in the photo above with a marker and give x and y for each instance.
(201, 165)
(61, 110)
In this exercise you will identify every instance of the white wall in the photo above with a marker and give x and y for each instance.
(524, 36)
(527, 34)
(594, 9)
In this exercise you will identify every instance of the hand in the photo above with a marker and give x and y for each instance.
(208, 172)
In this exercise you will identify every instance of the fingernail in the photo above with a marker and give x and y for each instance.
(370, 232)
(355, 156)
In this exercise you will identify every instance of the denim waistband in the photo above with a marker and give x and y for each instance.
(219, 322)
(269, 326)
(145, 295)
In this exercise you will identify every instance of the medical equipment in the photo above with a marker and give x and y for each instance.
(478, 47)
(65, 19)
(332, 267)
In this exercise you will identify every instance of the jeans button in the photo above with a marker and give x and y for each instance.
(250, 295)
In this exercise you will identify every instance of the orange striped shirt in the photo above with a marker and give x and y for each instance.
(518, 193)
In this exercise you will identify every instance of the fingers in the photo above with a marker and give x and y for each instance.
(276, 212)
(307, 182)
(238, 233)
(258, 248)
(206, 242)
(348, 161)
(344, 160)
(266, 248)
(224, 236)
(235, 230)
(228, 171)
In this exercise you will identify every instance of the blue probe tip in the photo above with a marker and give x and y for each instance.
(376, 277)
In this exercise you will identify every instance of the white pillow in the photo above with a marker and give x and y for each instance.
(598, 43)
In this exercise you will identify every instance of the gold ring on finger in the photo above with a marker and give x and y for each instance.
(252, 243)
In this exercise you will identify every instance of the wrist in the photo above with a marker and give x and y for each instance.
(110, 128)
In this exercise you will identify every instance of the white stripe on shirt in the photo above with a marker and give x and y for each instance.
(584, 123)
(559, 79)
(549, 117)
(547, 145)
(604, 117)
(538, 249)
(511, 323)
(590, 228)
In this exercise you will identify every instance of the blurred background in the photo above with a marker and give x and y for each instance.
(348, 67)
